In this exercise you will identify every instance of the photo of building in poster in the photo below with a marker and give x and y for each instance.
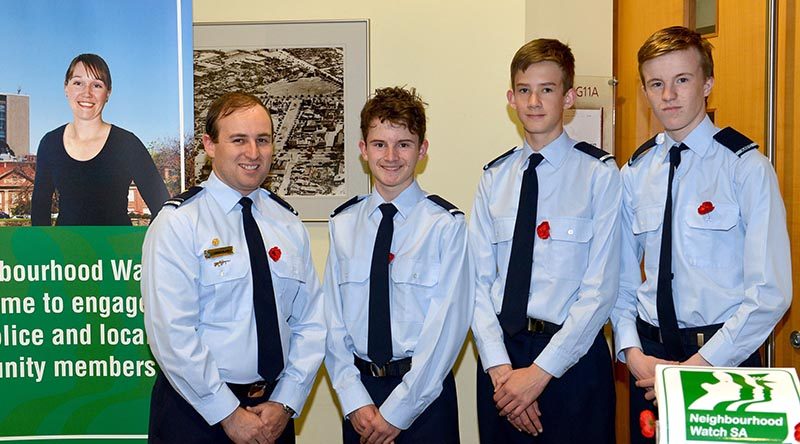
(303, 88)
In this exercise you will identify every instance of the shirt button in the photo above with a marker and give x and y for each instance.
(570, 231)
(414, 275)
(222, 273)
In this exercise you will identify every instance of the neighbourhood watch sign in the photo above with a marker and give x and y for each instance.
(729, 405)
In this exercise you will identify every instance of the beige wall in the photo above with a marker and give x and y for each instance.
(456, 53)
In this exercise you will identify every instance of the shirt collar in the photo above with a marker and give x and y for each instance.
(227, 197)
(554, 152)
(699, 139)
(404, 202)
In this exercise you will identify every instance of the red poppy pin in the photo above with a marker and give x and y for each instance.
(797, 432)
(275, 254)
(705, 208)
(543, 230)
(647, 422)
(391, 257)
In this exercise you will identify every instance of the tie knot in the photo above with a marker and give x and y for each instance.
(388, 210)
(534, 160)
(675, 154)
(246, 202)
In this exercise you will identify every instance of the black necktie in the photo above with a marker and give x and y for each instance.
(270, 352)
(514, 314)
(379, 342)
(665, 306)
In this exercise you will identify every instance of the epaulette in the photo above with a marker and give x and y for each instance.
(642, 149)
(352, 201)
(735, 141)
(452, 209)
(499, 158)
(282, 202)
(177, 200)
(593, 151)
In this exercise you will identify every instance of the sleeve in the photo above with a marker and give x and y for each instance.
(145, 176)
(170, 277)
(600, 282)
(443, 331)
(767, 283)
(624, 313)
(345, 377)
(485, 325)
(307, 343)
(43, 187)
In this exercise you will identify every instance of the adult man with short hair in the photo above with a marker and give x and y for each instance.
(233, 306)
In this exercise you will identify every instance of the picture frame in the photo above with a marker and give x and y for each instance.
(314, 76)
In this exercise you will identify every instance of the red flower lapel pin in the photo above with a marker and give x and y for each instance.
(705, 208)
(543, 230)
(391, 257)
(647, 423)
(275, 254)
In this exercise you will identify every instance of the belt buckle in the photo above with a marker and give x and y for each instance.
(376, 371)
(535, 325)
(701, 339)
(257, 390)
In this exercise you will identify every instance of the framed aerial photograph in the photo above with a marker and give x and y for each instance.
(313, 76)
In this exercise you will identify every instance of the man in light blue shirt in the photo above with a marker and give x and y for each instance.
(233, 307)
(544, 231)
(714, 240)
(397, 289)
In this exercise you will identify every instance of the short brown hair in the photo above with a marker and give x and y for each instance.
(545, 50)
(676, 38)
(399, 106)
(94, 64)
(226, 105)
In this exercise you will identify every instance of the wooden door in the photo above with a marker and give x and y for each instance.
(738, 100)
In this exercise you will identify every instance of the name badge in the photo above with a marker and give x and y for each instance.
(217, 252)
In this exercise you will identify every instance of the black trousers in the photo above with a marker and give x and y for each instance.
(576, 408)
(438, 424)
(637, 401)
(173, 420)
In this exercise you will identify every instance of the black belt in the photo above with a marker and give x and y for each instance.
(540, 326)
(395, 368)
(252, 390)
(692, 336)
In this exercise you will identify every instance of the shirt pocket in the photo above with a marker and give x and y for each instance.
(222, 280)
(711, 240)
(354, 287)
(415, 281)
(288, 274)
(647, 219)
(503, 230)
(567, 249)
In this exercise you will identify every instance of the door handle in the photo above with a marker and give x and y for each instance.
(794, 339)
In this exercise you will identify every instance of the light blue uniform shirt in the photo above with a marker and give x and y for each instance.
(574, 275)
(429, 290)
(199, 311)
(731, 265)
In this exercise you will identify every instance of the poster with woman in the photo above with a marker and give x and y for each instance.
(95, 115)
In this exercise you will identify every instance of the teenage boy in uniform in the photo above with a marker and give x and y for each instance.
(702, 206)
(397, 289)
(544, 231)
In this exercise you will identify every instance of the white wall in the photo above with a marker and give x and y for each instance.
(456, 53)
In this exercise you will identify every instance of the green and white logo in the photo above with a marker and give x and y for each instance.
(727, 404)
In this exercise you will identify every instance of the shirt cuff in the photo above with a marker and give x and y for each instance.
(398, 415)
(555, 361)
(287, 392)
(493, 354)
(625, 336)
(354, 397)
(219, 406)
(718, 352)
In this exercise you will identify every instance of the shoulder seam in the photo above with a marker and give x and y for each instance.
(447, 206)
(350, 202)
(642, 149)
(281, 202)
(498, 158)
(180, 199)
(593, 151)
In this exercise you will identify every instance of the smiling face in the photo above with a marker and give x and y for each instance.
(392, 152)
(242, 154)
(87, 95)
(676, 88)
(539, 99)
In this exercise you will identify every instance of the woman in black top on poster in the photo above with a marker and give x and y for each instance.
(89, 162)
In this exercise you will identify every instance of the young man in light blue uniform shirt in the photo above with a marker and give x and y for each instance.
(411, 398)
(727, 273)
